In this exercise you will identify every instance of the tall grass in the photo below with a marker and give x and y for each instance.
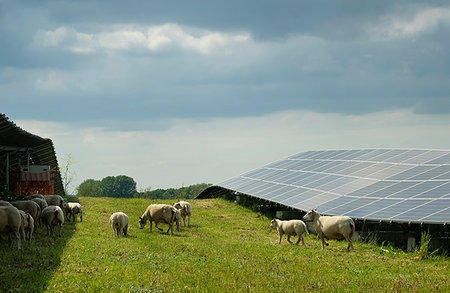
(227, 249)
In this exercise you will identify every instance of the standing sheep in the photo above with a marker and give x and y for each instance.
(10, 222)
(159, 213)
(332, 227)
(185, 209)
(290, 228)
(30, 207)
(52, 216)
(119, 223)
(27, 225)
(73, 208)
(55, 200)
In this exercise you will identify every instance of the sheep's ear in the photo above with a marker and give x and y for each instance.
(315, 209)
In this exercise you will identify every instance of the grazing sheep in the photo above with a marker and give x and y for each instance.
(185, 209)
(55, 200)
(42, 204)
(4, 203)
(290, 228)
(52, 216)
(27, 225)
(119, 224)
(37, 196)
(11, 223)
(30, 207)
(332, 227)
(73, 208)
(159, 213)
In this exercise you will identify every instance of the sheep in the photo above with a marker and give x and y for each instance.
(37, 196)
(4, 203)
(332, 227)
(159, 213)
(55, 200)
(290, 228)
(11, 222)
(42, 204)
(30, 207)
(185, 209)
(73, 208)
(27, 225)
(52, 216)
(119, 223)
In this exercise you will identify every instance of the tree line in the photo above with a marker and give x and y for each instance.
(125, 186)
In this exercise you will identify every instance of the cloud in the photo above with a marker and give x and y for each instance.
(424, 21)
(192, 151)
(153, 38)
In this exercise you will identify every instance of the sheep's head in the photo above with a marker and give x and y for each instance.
(310, 215)
(142, 223)
(273, 224)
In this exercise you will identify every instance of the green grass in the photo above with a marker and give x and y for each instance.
(228, 248)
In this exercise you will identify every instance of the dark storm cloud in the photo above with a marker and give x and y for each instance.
(59, 63)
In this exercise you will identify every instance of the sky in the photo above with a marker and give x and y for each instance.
(174, 93)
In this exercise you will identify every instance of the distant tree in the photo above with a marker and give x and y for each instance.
(118, 186)
(89, 187)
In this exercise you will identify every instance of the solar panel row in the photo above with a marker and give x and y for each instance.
(376, 184)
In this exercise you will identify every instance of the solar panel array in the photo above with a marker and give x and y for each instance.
(373, 184)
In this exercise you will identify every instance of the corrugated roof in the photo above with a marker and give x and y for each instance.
(21, 143)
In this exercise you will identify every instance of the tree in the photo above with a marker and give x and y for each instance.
(90, 187)
(119, 186)
(67, 175)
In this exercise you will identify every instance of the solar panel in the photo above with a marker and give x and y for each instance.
(374, 184)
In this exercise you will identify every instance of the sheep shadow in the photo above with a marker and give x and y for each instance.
(41, 254)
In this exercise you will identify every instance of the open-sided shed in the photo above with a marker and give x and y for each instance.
(28, 162)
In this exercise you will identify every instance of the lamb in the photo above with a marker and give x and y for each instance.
(11, 222)
(119, 223)
(28, 206)
(290, 228)
(332, 227)
(159, 213)
(27, 225)
(185, 209)
(73, 208)
(55, 200)
(52, 216)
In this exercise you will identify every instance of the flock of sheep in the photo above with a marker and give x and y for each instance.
(331, 227)
(158, 213)
(18, 219)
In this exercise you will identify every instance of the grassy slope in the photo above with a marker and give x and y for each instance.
(227, 248)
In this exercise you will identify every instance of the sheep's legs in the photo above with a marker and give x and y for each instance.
(350, 244)
(300, 237)
(289, 239)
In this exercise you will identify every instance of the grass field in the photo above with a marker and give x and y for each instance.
(228, 248)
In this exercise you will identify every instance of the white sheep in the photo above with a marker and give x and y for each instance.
(11, 223)
(30, 207)
(73, 208)
(332, 227)
(4, 203)
(159, 213)
(119, 223)
(290, 228)
(52, 216)
(27, 225)
(185, 209)
(55, 200)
